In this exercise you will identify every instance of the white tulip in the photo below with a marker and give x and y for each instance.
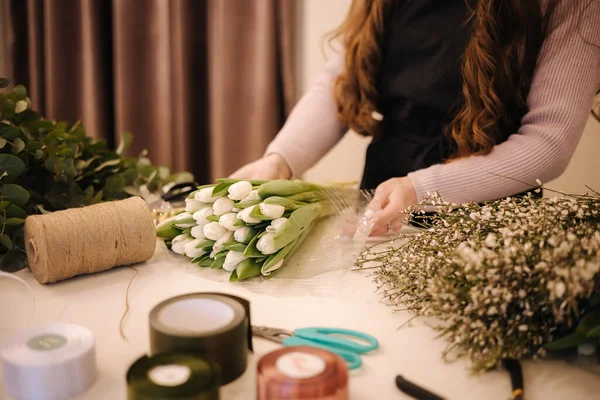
(278, 223)
(190, 248)
(214, 231)
(192, 205)
(178, 243)
(239, 190)
(232, 259)
(244, 215)
(205, 195)
(241, 235)
(184, 220)
(266, 244)
(222, 206)
(253, 195)
(227, 221)
(218, 246)
(272, 210)
(201, 215)
(198, 232)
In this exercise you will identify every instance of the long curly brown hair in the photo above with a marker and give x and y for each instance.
(497, 69)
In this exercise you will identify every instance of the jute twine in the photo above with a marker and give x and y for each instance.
(77, 241)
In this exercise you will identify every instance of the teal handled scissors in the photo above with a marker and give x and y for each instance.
(323, 338)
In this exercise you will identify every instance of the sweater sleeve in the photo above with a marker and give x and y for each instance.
(559, 103)
(313, 127)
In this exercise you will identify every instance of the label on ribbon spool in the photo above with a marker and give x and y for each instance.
(173, 376)
(212, 325)
(57, 361)
(302, 373)
(300, 365)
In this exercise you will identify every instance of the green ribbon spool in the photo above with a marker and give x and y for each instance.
(173, 376)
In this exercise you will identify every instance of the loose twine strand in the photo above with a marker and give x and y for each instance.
(127, 303)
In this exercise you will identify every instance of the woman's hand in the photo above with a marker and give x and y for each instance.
(394, 196)
(269, 167)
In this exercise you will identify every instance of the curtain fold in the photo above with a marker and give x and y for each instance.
(203, 85)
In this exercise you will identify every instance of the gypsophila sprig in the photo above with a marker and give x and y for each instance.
(500, 278)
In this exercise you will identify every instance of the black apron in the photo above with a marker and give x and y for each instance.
(419, 84)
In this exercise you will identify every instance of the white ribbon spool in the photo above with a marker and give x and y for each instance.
(52, 362)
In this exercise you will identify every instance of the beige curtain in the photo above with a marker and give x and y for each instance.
(203, 85)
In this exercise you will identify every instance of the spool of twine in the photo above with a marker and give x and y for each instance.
(77, 241)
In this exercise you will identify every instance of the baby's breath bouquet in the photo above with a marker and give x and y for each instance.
(514, 278)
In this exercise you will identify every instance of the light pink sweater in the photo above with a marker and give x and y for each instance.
(560, 100)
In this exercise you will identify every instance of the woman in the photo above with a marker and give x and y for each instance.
(455, 95)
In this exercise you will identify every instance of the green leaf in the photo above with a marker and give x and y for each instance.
(235, 246)
(12, 221)
(15, 194)
(251, 250)
(20, 92)
(126, 140)
(34, 145)
(206, 262)
(14, 211)
(4, 204)
(18, 146)
(588, 322)
(38, 154)
(2, 143)
(13, 260)
(248, 268)
(218, 262)
(594, 332)
(221, 189)
(12, 165)
(5, 241)
(233, 277)
(572, 340)
(10, 133)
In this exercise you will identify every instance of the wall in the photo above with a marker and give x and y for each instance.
(345, 162)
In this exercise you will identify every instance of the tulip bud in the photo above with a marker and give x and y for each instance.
(214, 231)
(272, 210)
(218, 246)
(191, 250)
(228, 221)
(244, 215)
(253, 195)
(201, 215)
(232, 259)
(222, 206)
(198, 232)
(184, 220)
(179, 242)
(205, 195)
(266, 244)
(241, 235)
(239, 190)
(192, 205)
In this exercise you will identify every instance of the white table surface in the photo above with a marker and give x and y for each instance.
(97, 302)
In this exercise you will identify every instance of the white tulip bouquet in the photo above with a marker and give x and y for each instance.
(247, 228)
